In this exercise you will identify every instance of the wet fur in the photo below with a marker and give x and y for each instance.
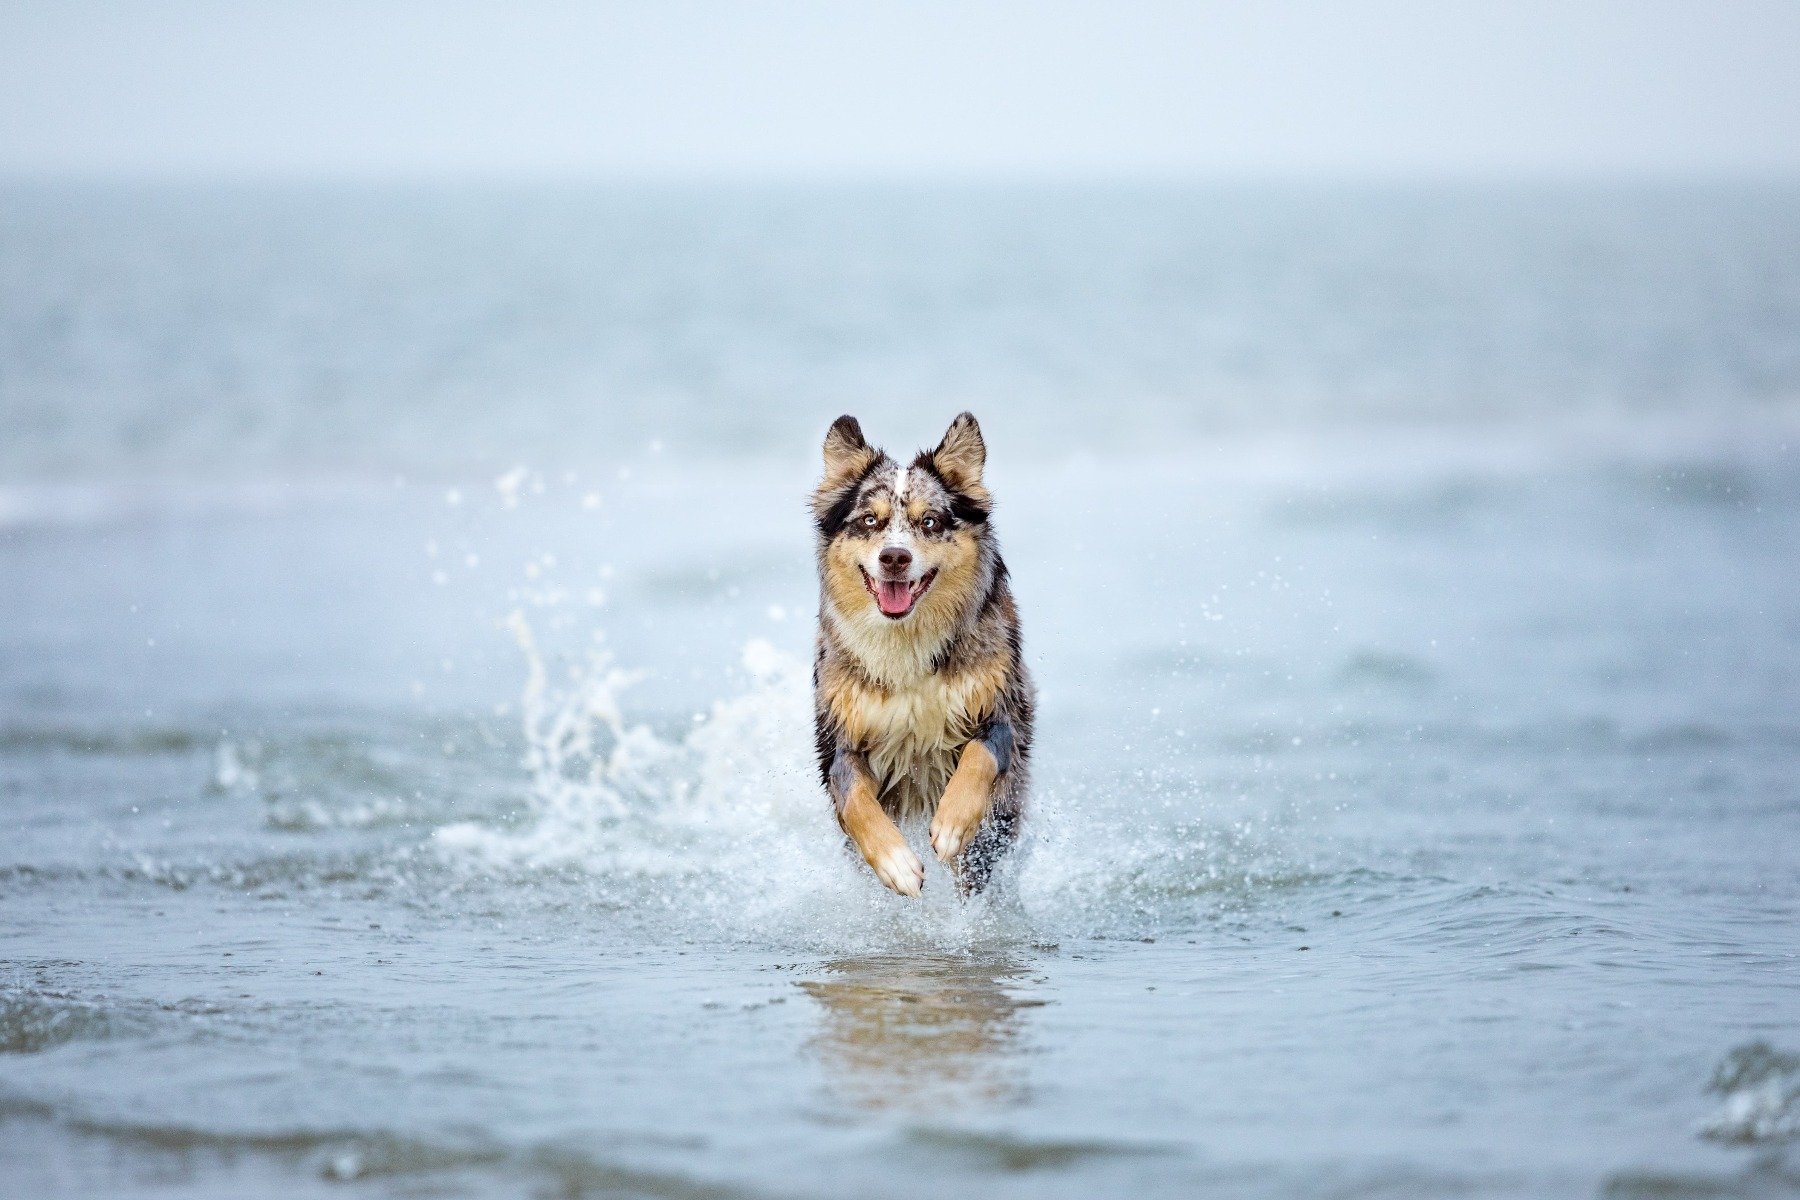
(898, 702)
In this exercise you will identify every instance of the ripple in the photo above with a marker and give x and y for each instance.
(148, 1150)
(1008, 1152)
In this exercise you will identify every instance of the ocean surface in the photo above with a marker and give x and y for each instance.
(405, 618)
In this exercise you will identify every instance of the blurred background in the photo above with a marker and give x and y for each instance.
(275, 240)
(406, 417)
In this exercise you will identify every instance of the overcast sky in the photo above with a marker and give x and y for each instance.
(1110, 87)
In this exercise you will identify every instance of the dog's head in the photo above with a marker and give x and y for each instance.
(903, 544)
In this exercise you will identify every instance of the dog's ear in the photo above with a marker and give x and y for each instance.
(847, 455)
(961, 455)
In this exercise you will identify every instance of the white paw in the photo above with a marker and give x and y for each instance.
(951, 835)
(900, 869)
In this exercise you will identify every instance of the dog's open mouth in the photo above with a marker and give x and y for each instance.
(896, 597)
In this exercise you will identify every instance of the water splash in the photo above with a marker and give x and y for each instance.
(722, 825)
(1761, 1087)
(723, 830)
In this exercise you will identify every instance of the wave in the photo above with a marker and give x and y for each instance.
(340, 1156)
(101, 743)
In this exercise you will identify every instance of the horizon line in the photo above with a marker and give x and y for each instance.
(14, 174)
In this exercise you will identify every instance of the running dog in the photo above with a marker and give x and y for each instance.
(922, 704)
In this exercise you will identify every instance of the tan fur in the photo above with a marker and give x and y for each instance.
(965, 802)
(961, 456)
(878, 839)
(846, 454)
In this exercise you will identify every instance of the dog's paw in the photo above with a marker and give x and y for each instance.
(899, 868)
(953, 827)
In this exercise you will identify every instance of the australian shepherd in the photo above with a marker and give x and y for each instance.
(922, 704)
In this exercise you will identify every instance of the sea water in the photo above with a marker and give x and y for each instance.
(405, 754)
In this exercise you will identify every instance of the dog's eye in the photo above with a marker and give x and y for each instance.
(870, 520)
(930, 524)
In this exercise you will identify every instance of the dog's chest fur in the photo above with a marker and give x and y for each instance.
(912, 733)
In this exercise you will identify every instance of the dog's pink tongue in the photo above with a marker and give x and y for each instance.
(894, 597)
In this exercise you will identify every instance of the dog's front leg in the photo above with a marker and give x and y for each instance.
(870, 829)
(970, 793)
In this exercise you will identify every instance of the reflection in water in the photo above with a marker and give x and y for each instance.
(905, 1031)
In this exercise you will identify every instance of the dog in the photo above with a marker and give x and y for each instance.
(922, 703)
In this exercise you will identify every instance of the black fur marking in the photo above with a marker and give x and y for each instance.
(998, 738)
(963, 508)
(825, 742)
(840, 779)
(996, 585)
(976, 866)
(946, 527)
(833, 521)
(850, 430)
(825, 739)
(966, 510)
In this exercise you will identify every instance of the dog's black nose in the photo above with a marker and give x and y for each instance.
(895, 559)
